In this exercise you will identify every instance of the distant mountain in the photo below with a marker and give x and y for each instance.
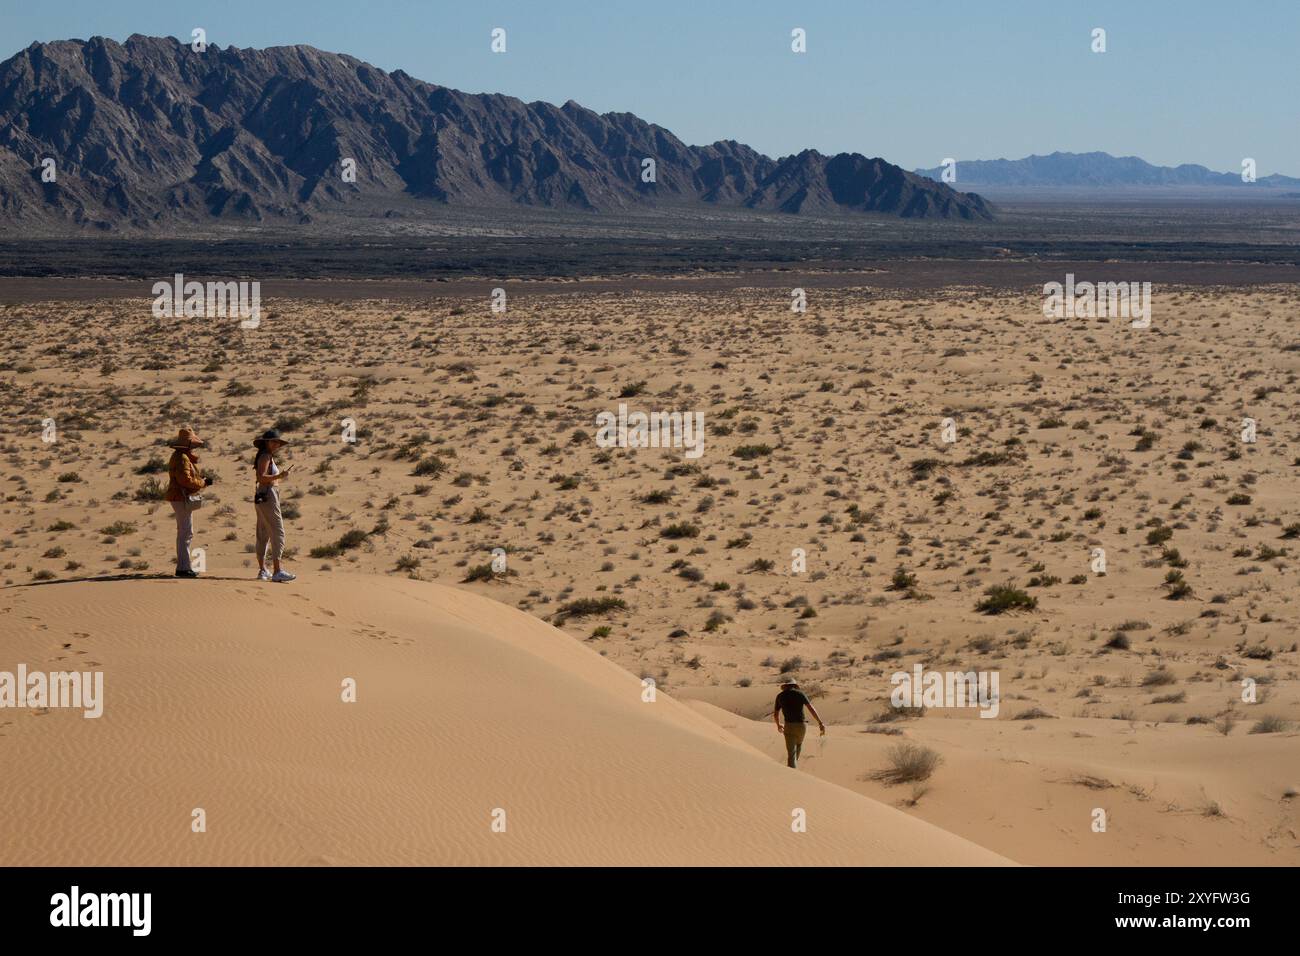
(149, 133)
(1093, 169)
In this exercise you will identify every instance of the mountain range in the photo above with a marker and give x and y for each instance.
(148, 133)
(1093, 169)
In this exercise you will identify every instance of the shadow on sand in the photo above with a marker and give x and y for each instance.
(124, 577)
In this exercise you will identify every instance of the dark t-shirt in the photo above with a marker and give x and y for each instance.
(791, 702)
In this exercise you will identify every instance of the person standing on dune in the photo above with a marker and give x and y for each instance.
(790, 704)
(266, 499)
(183, 486)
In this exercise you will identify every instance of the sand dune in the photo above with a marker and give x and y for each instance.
(226, 695)
(1172, 795)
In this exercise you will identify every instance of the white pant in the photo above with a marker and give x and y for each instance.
(270, 527)
(184, 533)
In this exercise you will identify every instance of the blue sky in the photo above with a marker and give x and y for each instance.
(914, 81)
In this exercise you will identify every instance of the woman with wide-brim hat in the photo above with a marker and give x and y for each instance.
(266, 499)
(183, 486)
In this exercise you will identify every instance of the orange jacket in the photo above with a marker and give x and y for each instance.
(184, 477)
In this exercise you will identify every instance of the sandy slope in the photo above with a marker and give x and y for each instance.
(1172, 795)
(226, 695)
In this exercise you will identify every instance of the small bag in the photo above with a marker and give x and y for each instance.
(263, 492)
(196, 502)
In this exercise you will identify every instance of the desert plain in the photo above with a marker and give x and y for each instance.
(468, 553)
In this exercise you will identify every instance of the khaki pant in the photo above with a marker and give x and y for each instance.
(270, 528)
(184, 533)
(794, 734)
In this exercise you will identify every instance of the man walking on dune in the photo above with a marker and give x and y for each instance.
(790, 704)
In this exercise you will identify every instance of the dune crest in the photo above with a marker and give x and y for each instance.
(226, 696)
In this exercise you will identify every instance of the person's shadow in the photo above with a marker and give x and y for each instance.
(159, 576)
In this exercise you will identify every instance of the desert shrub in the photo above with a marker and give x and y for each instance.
(1176, 586)
(989, 459)
(583, 607)
(1160, 535)
(902, 580)
(922, 468)
(682, 529)
(431, 466)
(1001, 598)
(715, 621)
(909, 762)
(1270, 724)
(1034, 713)
(351, 539)
(1159, 677)
(151, 489)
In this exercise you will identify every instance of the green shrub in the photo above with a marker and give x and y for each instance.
(583, 607)
(1001, 598)
(682, 529)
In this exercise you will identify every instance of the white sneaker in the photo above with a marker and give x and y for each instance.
(282, 576)
(263, 575)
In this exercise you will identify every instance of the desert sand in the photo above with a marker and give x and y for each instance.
(226, 697)
(475, 431)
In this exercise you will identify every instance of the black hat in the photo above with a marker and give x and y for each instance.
(269, 435)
